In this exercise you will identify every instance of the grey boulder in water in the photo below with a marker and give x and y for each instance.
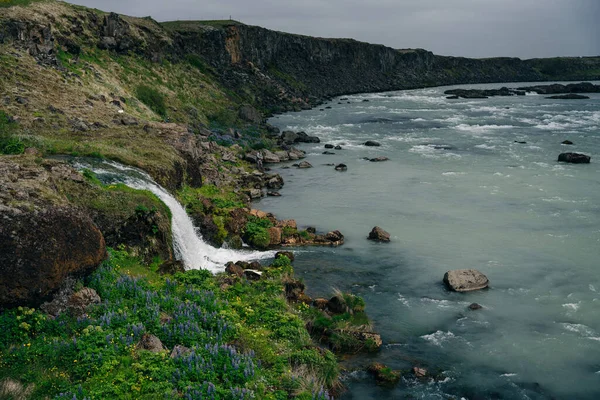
(465, 280)
(379, 235)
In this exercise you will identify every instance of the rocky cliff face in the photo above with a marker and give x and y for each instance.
(272, 69)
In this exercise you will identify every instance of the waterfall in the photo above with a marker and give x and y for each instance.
(188, 245)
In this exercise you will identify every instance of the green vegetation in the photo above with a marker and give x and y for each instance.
(153, 99)
(256, 232)
(244, 341)
(9, 142)
(10, 3)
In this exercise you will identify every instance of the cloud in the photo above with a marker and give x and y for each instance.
(471, 28)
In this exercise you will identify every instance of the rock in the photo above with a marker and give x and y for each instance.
(338, 147)
(295, 154)
(329, 146)
(22, 100)
(475, 306)
(275, 182)
(320, 303)
(15, 390)
(179, 351)
(330, 153)
(570, 96)
(234, 269)
(33, 152)
(80, 301)
(366, 100)
(128, 120)
(384, 375)
(568, 142)
(287, 223)
(574, 158)
(250, 114)
(287, 254)
(372, 143)
(151, 343)
(276, 235)
(379, 159)
(289, 137)
(294, 289)
(337, 305)
(370, 341)
(269, 157)
(420, 372)
(273, 194)
(252, 275)
(255, 193)
(304, 164)
(283, 155)
(379, 235)
(171, 267)
(79, 125)
(341, 167)
(40, 247)
(520, 142)
(465, 280)
(335, 237)
(452, 97)
(311, 229)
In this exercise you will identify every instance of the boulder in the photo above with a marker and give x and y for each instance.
(568, 142)
(269, 157)
(275, 182)
(338, 147)
(40, 247)
(384, 375)
(179, 351)
(151, 343)
(337, 305)
(287, 223)
(475, 306)
(282, 155)
(250, 114)
(379, 235)
(294, 289)
(273, 194)
(320, 303)
(329, 146)
(234, 269)
(171, 267)
(252, 275)
(128, 120)
(81, 300)
(379, 159)
(341, 167)
(289, 137)
(372, 143)
(335, 237)
(304, 164)
(420, 372)
(287, 254)
(574, 158)
(465, 280)
(275, 235)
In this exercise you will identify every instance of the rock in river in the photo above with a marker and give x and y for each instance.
(341, 167)
(574, 158)
(379, 235)
(304, 164)
(465, 280)
(372, 143)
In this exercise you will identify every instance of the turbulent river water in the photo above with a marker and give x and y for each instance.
(460, 192)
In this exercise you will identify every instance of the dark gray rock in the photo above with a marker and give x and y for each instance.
(379, 235)
(372, 143)
(574, 158)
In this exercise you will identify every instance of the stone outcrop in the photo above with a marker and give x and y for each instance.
(465, 280)
(31, 212)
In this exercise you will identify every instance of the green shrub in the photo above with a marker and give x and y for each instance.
(9, 143)
(153, 99)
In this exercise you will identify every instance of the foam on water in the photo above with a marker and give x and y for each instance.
(438, 338)
(188, 245)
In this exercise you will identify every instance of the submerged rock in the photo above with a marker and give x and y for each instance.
(341, 167)
(570, 96)
(372, 143)
(379, 235)
(475, 306)
(384, 375)
(465, 280)
(379, 159)
(568, 142)
(574, 158)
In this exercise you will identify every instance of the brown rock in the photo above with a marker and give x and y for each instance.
(80, 301)
(379, 235)
(276, 234)
(179, 351)
(320, 303)
(171, 267)
(420, 372)
(287, 223)
(234, 269)
(151, 343)
(465, 280)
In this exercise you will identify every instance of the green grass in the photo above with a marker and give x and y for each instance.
(10, 3)
(153, 99)
(246, 338)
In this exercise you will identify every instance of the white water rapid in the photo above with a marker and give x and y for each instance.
(188, 245)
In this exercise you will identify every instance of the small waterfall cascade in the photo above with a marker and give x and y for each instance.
(188, 245)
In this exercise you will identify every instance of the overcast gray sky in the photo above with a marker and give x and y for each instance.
(472, 28)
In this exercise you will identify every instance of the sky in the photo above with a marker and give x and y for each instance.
(469, 28)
